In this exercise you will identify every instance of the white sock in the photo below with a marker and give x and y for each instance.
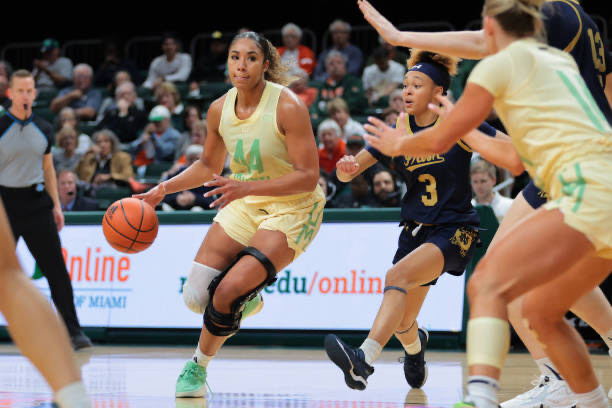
(73, 396)
(548, 368)
(414, 347)
(371, 349)
(482, 391)
(594, 399)
(607, 338)
(200, 358)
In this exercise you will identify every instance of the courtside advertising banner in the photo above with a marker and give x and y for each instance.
(337, 284)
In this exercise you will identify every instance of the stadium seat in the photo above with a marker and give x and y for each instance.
(107, 196)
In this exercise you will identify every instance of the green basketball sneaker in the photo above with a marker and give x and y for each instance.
(191, 381)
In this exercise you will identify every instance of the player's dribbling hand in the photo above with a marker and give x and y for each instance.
(445, 109)
(228, 189)
(152, 197)
(383, 137)
(386, 30)
(348, 165)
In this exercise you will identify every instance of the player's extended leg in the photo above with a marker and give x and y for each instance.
(29, 315)
(544, 309)
(420, 266)
(241, 279)
(512, 267)
(413, 338)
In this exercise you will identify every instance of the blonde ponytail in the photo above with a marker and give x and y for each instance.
(521, 18)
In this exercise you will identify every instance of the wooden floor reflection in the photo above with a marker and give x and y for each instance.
(139, 377)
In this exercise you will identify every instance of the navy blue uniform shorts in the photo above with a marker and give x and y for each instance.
(457, 243)
(534, 196)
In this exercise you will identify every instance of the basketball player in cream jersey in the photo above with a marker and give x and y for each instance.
(564, 249)
(271, 205)
(569, 28)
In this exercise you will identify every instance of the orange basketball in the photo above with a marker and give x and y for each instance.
(130, 225)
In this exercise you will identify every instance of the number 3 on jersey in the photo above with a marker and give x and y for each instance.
(431, 198)
(253, 162)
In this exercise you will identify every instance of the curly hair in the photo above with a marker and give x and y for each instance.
(449, 64)
(277, 71)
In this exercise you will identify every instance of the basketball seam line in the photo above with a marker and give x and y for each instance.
(141, 218)
(124, 236)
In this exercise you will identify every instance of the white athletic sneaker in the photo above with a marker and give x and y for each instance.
(534, 398)
(559, 395)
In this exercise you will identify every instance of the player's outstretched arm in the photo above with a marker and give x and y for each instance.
(498, 150)
(608, 89)
(471, 110)
(210, 163)
(463, 44)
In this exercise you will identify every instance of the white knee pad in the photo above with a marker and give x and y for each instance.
(195, 289)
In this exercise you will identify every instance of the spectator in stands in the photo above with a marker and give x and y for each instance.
(385, 189)
(5, 73)
(295, 55)
(191, 114)
(110, 100)
(196, 137)
(81, 95)
(483, 177)
(332, 146)
(395, 53)
(5, 101)
(158, 141)
(167, 95)
(104, 165)
(69, 197)
(212, 66)
(338, 110)
(124, 117)
(6, 69)
(354, 144)
(112, 64)
(357, 195)
(382, 78)
(339, 83)
(51, 71)
(66, 157)
(341, 33)
(329, 188)
(67, 116)
(396, 101)
(300, 87)
(390, 116)
(194, 198)
(172, 66)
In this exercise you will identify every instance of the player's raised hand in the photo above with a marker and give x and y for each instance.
(380, 24)
(348, 165)
(445, 109)
(384, 138)
(227, 189)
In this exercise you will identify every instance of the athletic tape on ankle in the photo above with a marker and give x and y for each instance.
(394, 288)
(488, 341)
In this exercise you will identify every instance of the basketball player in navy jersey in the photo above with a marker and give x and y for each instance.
(569, 28)
(439, 227)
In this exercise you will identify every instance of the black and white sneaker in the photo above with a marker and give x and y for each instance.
(415, 367)
(351, 361)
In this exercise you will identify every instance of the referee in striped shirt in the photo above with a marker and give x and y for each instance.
(28, 188)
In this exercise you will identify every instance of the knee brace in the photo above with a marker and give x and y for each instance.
(225, 324)
(195, 289)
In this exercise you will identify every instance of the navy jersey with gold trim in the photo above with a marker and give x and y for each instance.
(572, 30)
(438, 186)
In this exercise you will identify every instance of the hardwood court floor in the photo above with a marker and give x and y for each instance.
(139, 377)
